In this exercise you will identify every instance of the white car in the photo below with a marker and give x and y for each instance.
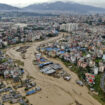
(79, 83)
(67, 78)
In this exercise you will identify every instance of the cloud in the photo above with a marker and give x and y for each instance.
(21, 3)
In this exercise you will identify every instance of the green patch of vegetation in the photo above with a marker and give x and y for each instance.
(78, 70)
(97, 97)
(51, 35)
(96, 86)
(81, 74)
(97, 60)
(63, 31)
(38, 28)
(84, 53)
(20, 63)
(103, 43)
(3, 60)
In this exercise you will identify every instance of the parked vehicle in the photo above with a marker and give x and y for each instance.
(67, 77)
(79, 83)
(38, 89)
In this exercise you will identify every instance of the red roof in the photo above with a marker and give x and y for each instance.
(90, 80)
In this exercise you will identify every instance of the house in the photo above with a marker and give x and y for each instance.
(91, 63)
(73, 59)
(101, 68)
(84, 64)
(45, 64)
(89, 78)
(103, 57)
(30, 92)
(88, 55)
(48, 70)
(5, 43)
(95, 70)
(16, 79)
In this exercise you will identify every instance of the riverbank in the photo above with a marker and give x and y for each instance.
(100, 94)
(54, 91)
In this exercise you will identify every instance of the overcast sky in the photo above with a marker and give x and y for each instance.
(23, 3)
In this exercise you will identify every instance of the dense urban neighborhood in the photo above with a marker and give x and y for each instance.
(52, 60)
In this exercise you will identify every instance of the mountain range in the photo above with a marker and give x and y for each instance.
(55, 6)
(64, 6)
(5, 7)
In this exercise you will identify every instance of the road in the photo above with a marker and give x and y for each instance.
(54, 91)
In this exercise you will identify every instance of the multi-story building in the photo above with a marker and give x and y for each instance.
(69, 27)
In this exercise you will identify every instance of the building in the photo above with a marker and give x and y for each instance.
(69, 27)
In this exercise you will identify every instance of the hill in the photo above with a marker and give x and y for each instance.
(5, 7)
(64, 6)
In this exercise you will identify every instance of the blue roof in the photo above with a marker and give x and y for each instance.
(67, 49)
(30, 92)
(42, 60)
(22, 71)
(62, 52)
(78, 47)
(56, 32)
(56, 48)
(49, 49)
(83, 49)
(43, 64)
(42, 48)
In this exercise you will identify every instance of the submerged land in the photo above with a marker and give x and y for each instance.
(54, 91)
(52, 60)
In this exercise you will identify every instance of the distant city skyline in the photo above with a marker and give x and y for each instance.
(23, 3)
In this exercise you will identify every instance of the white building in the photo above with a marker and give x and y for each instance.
(69, 27)
(95, 70)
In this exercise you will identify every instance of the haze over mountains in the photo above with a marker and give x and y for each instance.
(56, 6)
(4, 7)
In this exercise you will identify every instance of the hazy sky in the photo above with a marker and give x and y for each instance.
(22, 3)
